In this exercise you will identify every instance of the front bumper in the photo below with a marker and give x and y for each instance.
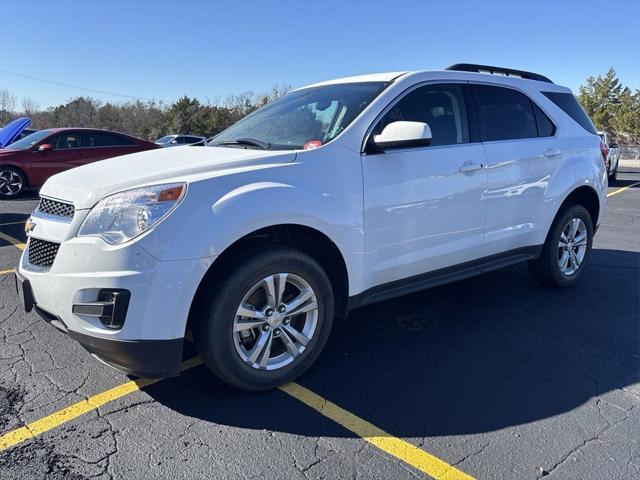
(142, 358)
(149, 344)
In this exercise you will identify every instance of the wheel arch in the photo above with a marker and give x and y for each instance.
(586, 196)
(307, 239)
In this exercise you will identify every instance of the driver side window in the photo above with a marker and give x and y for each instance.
(442, 107)
(66, 141)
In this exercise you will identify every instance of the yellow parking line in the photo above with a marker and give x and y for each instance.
(56, 419)
(5, 272)
(396, 447)
(18, 243)
(400, 449)
(620, 190)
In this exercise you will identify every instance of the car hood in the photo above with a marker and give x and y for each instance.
(12, 130)
(86, 185)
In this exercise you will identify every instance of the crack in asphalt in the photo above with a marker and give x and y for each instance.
(594, 438)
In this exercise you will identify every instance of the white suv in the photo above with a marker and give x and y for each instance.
(337, 195)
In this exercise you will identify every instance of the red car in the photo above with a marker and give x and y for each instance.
(28, 162)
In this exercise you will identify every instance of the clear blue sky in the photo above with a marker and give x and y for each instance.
(163, 49)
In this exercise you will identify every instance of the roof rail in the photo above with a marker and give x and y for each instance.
(509, 72)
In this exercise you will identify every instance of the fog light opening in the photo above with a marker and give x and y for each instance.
(111, 307)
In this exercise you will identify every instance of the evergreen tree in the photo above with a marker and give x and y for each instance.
(600, 97)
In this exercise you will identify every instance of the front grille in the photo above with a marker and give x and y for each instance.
(42, 253)
(53, 207)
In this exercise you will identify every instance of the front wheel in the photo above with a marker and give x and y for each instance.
(12, 182)
(268, 319)
(567, 249)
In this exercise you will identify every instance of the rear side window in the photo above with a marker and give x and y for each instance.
(546, 128)
(505, 114)
(117, 140)
(569, 105)
(103, 139)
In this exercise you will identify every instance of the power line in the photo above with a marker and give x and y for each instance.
(93, 90)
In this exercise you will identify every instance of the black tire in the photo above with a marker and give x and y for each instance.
(546, 268)
(614, 175)
(213, 327)
(7, 174)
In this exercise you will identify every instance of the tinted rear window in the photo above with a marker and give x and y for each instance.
(545, 127)
(505, 114)
(568, 103)
(102, 139)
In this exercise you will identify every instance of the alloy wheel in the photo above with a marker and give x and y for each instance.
(10, 183)
(572, 246)
(275, 321)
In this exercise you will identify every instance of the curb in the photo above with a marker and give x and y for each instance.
(629, 163)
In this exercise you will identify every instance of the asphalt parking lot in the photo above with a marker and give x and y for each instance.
(493, 377)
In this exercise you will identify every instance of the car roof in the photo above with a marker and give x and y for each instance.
(372, 77)
(81, 129)
(445, 75)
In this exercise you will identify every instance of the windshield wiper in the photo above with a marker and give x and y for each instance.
(245, 141)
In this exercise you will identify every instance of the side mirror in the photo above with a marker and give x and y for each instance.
(613, 145)
(403, 135)
(45, 147)
(174, 141)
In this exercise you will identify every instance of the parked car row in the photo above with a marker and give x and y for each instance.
(29, 157)
(29, 161)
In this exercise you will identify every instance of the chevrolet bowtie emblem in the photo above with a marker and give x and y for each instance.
(29, 226)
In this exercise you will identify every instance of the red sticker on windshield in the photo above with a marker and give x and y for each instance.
(312, 144)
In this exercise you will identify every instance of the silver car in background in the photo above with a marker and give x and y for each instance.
(177, 140)
(613, 155)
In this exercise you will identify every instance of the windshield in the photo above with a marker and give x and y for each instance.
(165, 139)
(29, 141)
(302, 119)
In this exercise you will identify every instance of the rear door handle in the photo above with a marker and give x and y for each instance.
(551, 152)
(467, 167)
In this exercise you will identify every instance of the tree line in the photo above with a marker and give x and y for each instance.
(149, 120)
(612, 107)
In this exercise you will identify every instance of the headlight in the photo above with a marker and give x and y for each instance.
(122, 216)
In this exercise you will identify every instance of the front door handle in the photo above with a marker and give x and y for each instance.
(467, 167)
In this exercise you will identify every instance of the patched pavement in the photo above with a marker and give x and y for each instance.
(494, 375)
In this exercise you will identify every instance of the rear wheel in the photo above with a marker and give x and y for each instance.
(268, 321)
(12, 182)
(566, 252)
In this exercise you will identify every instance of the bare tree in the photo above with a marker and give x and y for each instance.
(7, 106)
(241, 103)
(30, 107)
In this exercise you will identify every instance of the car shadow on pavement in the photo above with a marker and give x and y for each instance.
(618, 183)
(474, 356)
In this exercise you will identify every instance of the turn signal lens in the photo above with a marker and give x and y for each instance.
(171, 194)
